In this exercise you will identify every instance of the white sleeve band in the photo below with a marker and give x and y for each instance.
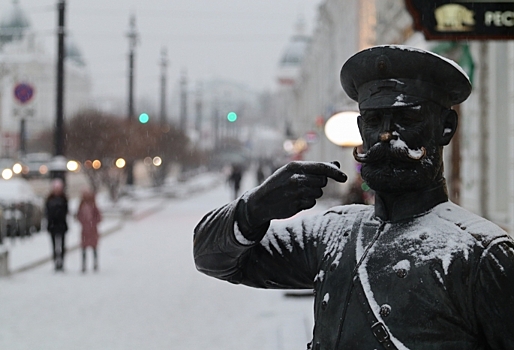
(239, 236)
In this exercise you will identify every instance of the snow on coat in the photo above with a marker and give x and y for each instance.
(442, 279)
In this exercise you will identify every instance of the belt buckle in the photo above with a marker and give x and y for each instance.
(380, 332)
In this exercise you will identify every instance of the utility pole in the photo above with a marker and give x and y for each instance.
(199, 110)
(216, 126)
(59, 119)
(132, 36)
(163, 168)
(23, 136)
(183, 101)
(164, 66)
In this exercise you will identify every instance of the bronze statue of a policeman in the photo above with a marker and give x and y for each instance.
(414, 271)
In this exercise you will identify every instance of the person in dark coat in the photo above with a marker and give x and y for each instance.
(234, 179)
(56, 210)
(413, 271)
(89, 217)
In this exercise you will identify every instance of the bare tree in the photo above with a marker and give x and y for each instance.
(96, 135)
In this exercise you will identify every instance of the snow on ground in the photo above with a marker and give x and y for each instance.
(147, 294)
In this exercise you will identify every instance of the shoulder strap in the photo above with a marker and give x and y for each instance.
(377, 328)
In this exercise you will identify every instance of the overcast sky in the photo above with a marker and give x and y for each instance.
(239, 40)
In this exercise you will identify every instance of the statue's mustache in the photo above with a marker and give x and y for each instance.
(381, 151)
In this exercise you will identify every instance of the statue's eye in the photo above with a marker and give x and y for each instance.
(371, 119)
(408, 118)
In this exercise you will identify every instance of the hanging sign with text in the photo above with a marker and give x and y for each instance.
(463, 19)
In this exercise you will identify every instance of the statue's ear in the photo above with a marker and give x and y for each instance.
(359, 123)
(449, 120)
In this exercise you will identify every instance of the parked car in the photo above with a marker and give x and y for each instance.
(22, 209)
(36, 165)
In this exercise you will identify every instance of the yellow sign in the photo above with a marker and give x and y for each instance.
(454, 18)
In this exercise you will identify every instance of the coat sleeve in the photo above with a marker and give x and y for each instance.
(494, 290)
(287, 257)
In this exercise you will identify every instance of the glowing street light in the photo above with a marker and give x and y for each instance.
(72, 165)
(17, 168)
(120, 163)
(7, 174)
(96, 164)
(157, 161)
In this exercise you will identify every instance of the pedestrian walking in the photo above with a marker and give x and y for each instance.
(234, 179)
(56, 212)
(89, 217)
(412, 271)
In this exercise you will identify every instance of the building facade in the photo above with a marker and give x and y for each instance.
(28, 81)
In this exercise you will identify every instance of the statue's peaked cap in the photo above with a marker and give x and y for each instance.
(394, 76)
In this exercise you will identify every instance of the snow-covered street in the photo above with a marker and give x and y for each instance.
(147, 295)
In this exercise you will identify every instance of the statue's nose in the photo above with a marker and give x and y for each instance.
(386, 136)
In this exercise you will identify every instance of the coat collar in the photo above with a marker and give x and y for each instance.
(409, 205)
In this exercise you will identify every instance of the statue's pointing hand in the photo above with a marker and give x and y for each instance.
(291, 189)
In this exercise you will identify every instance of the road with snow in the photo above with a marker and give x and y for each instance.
(148, 295)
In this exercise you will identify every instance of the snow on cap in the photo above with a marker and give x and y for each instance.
(400, 76)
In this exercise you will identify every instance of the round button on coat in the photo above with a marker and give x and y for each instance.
(324, 305)
(402, 273)
(385, 310)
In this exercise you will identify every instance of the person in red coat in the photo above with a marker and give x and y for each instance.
(89, 217)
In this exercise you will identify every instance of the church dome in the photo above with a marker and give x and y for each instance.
(13, 23)
(292, 57)
(295, 50)
(72, 52)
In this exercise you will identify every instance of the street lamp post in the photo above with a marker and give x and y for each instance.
(132, 36)
(59, 120)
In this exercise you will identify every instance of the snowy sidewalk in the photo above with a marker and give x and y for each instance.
(148, 294)
(29, 252)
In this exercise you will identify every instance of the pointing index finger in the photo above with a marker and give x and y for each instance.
(330, 170)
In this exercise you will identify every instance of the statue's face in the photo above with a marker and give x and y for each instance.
(400, 149)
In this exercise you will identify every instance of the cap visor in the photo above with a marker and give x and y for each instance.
(390, 100)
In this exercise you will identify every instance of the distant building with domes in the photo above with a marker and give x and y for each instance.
(290, 63)
(28, 80)
(288, 76)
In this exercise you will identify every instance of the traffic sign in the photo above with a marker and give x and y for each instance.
(23, 92)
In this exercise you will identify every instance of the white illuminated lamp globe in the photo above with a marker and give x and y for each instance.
(7, 174)
(342, 130)
(120, 163)
(157, 161)
(72, 165)
(17, 168)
